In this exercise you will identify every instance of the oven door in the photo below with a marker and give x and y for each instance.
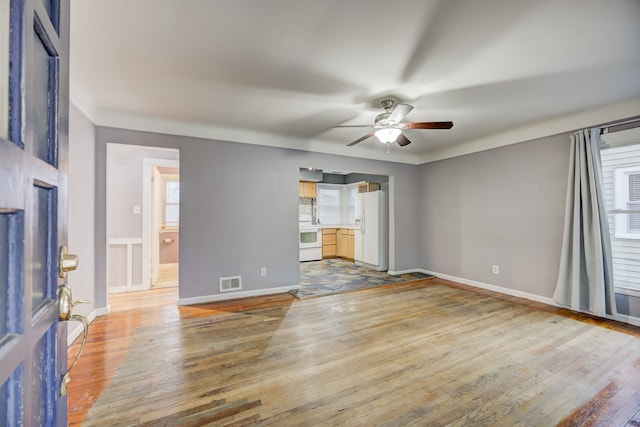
(310, 238)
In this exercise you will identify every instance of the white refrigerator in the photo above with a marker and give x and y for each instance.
(372, 230)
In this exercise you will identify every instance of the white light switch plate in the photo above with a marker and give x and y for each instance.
(136, 209)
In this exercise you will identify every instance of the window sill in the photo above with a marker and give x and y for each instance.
(627, 236)
(627, 291)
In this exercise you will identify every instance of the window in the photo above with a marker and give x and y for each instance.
(171, 203)
(620, 160)
(350, 192)
(329, 203)
(336, 203)
(627, 201)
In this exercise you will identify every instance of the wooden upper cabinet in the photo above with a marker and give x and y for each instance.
(365, 187)
(307, 189)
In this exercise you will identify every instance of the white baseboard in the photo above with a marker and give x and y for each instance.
(103, 311)
(124, 288)
(494, 288)
(399, 272)
(235, 295)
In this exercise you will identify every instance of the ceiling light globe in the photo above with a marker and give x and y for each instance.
(388, 135)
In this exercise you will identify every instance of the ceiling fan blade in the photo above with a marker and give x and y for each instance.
(403, 140)
(430, 125)
(399, 113)
(369, 135)
(353, 126)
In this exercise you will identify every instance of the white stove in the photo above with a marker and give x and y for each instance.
(309, 239)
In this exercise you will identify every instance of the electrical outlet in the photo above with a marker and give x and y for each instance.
(496, 269)
(263, 271)
(136, 209)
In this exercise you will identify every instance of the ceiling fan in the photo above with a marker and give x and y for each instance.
(389, 125)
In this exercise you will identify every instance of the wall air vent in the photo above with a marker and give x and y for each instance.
(230, 283)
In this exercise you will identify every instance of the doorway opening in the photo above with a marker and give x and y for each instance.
(143, 217)
(161, 208)
(331, 235)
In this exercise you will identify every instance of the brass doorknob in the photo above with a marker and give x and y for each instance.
(66, 262)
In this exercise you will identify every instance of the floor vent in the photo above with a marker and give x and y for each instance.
(230, 283)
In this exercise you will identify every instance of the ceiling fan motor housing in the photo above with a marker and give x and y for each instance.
(387, 104)
(382, 119)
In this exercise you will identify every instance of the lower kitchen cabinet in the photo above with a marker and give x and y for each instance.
(338, 242)
(342, 242)
(345, 243)
(329, 246)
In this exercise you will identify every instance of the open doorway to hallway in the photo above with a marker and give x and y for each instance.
(143, 217)
(162, 208)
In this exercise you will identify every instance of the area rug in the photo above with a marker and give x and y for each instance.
(332, 276)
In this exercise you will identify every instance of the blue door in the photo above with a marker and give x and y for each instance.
(34, 70)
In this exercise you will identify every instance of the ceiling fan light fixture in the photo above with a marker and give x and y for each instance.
(388, 135)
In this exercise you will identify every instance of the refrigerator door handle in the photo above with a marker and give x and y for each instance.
(362, 223)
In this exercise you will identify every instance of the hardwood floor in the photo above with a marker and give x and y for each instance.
(167, 277)
(424, 353)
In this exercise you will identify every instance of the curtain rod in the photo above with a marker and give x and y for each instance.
(607, 127)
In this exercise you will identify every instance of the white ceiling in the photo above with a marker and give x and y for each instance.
(283, 72)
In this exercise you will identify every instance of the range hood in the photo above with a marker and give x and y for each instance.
(307, 174)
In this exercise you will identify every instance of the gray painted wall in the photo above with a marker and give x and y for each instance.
(222, 183)
(499, 207)
(82, 208)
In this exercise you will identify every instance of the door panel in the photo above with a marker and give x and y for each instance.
(44, 96)
(53, 9)
(33, 207)
(43, 381)
(44, 222)
(11, 399)
(11, 283)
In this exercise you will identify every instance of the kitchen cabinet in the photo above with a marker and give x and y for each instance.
(329, 247)
(307, 189)
(345, 243)
(351, 244)
(366, 187)
(342, 241)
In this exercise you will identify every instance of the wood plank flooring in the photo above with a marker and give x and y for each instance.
(422, 353)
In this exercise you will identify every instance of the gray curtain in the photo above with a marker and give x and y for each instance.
(585, 280)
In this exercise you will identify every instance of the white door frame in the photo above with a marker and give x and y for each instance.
(147, 168)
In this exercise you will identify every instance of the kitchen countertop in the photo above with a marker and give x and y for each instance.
(322, 226)
(350, 227)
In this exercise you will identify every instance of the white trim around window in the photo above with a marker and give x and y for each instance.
(623, 204)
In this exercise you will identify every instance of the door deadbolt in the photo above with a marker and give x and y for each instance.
(66, 262)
